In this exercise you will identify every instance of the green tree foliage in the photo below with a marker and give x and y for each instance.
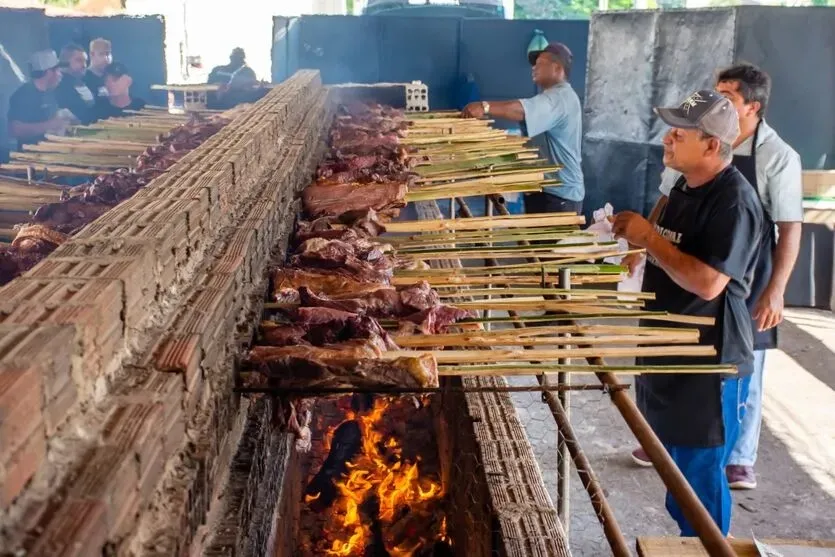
(562, 9)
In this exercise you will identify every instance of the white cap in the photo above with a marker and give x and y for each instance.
(43, 60)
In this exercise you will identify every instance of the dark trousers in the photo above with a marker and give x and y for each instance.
(541, 202)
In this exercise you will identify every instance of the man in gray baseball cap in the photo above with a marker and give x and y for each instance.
(33, 109)
(701, 255)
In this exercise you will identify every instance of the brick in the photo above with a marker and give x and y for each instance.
(57, 409)
(137, 427)
(127, 519)
(20, 407)
(194, 395)
(21, 466)
(108, 475)
(78, 529)
(152, 475)
(180, 354)
(174, 434)
(135, 275)
(51, 348)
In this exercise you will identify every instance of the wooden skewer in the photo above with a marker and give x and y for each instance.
(552, 219)
(576, 329)
(533, 280)
(482, 189)
(413, 341)
(537, 355)
(512, 304)
(538, 369)
(562, 258)
(545, 291)
(610, 314)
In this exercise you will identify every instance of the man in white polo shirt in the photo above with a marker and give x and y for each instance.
(774, 169)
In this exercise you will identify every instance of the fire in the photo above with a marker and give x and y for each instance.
(408, 515)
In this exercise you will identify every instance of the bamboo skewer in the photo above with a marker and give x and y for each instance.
(539, 369)
(513, 269)
(454, 190)
(413, 341)
(487, 236)
(644, 315)
(507, 280)
(576, 329)
(516, 304)
(520, 221)
(454, 251)
(475, 292)
(537, 355)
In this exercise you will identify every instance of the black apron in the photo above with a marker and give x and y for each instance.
(762, 271)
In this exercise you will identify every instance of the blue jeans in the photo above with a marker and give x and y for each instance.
(744, 452)
(704, 468)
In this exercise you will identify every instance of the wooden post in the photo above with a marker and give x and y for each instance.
(563, 460)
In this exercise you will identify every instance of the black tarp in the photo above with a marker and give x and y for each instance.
(638, 60)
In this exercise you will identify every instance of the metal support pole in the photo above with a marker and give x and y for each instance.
(604, 512)
(563, 461)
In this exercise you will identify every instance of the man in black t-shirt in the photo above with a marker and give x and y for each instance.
(72, 93)
(118, 99)
(33, 110)
(238, 82)
(101, 56)
(701, 255)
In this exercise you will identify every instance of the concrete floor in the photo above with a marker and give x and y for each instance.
(796, 467)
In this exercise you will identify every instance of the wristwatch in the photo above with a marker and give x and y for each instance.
(486, 107)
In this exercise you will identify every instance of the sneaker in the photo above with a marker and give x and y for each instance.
(641, 458)
(741, 477)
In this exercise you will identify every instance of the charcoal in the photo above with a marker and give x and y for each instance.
(345, 446)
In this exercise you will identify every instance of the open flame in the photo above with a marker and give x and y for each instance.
(409, 515)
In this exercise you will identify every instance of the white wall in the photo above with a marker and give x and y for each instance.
(212, 28)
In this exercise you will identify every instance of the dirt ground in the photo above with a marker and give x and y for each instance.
(796, 467)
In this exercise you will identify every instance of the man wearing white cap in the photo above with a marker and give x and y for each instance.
(33, 110)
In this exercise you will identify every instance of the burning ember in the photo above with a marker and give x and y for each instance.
(374, 496)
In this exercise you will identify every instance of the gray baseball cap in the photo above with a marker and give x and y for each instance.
(44, 60)
(707, 111)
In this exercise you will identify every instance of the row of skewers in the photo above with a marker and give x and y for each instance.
(39, 217)
(360, 305)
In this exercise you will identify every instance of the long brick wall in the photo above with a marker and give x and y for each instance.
(117, 418)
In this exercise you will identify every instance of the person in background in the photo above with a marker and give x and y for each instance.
(72, 93)
(556, 115)
(11, 77)
(101, 56)
(701, 255)
(236, 80)
(33, 110)
(117, 80)
(774, 169)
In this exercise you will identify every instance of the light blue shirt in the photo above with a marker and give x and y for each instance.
(556, 115)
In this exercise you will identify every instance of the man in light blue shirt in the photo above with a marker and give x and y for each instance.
(555, 117)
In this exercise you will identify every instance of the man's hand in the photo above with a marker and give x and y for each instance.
(473, 110)
(634, 228)
(768, 312)
(57, 125)
(632, 261)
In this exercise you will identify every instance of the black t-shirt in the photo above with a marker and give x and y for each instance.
(74, 95)
(719, 223)
(95, 83)
(104, 109)
(30, 105)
